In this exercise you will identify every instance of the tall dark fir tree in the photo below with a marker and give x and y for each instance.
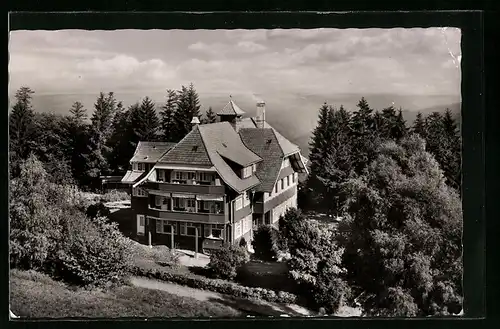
(210, 116)
(363, 136)
(319, 147)
(188, 106)
(21, 129)
(338, 162)
(167, 116)
(145, 122)
(419, 125)
(98, 150)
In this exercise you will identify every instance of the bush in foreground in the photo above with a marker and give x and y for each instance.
(225, 262)
(51, 233)
(265, 243)
(93, 252)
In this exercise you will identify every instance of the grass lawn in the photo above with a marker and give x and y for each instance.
(36, 295)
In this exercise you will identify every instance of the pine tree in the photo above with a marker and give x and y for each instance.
(21, 129)
(210, 115)
(419, 125)
(167, 116)
(78, 112)
(452, 141)
(145, 122)
(399, 129)
(121, 140)
(364, 136)
(319, 147)
(338, 163)
(188, 106)
(99, 151)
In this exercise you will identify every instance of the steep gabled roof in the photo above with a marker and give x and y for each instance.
(221, 141)
(191, 149)
(286, 146)
(264, 143)
(231, 109)
(150, 152)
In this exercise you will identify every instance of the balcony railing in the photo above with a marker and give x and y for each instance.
(189, 216)
(187, 188)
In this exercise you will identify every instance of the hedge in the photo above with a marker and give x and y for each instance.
(217, 285)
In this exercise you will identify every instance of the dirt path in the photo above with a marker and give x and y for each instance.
(250, 307)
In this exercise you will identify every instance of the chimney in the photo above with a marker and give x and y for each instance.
(261, 114)
(195, 122)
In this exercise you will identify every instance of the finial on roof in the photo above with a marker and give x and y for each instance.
(230, 96)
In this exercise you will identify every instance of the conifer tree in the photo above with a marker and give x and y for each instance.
(145, 122)
(399, 129)
(99, 151)
(210, 115)
(167, 116)
(78, 112)
(188, 106)
(452, 142)
(21, 129)
(419, 125)
(337, 164)
(364, 136)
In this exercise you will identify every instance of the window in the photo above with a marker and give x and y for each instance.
(191, 175)
(282, 184)
(287, 181)
(178, 175)
(293, 178)
(237, 229)
(139, 192)
(134, 166)
(191, 203)
(161, 175)
(206, 177)
(179, 203)
(254, 167)
(140, 224)
(276, 187)
(158, 200)
(189, 229)
(165, 226)
(139, 167)
(247, 172)
(214, 231)
(238, 203)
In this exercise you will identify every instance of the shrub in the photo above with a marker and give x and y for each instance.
(216, 285)
(330, 290)
(265, 243)
(225, 262)
(92, 252)
(114, 195)
(97, 209)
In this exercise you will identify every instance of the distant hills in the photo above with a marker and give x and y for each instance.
(294, 115)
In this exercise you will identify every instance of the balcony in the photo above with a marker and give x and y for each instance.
(207, 218)
(186, 188)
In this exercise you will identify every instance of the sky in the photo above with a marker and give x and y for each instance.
(316, 61)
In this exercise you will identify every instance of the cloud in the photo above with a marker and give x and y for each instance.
(250, 47)
(323, 61)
